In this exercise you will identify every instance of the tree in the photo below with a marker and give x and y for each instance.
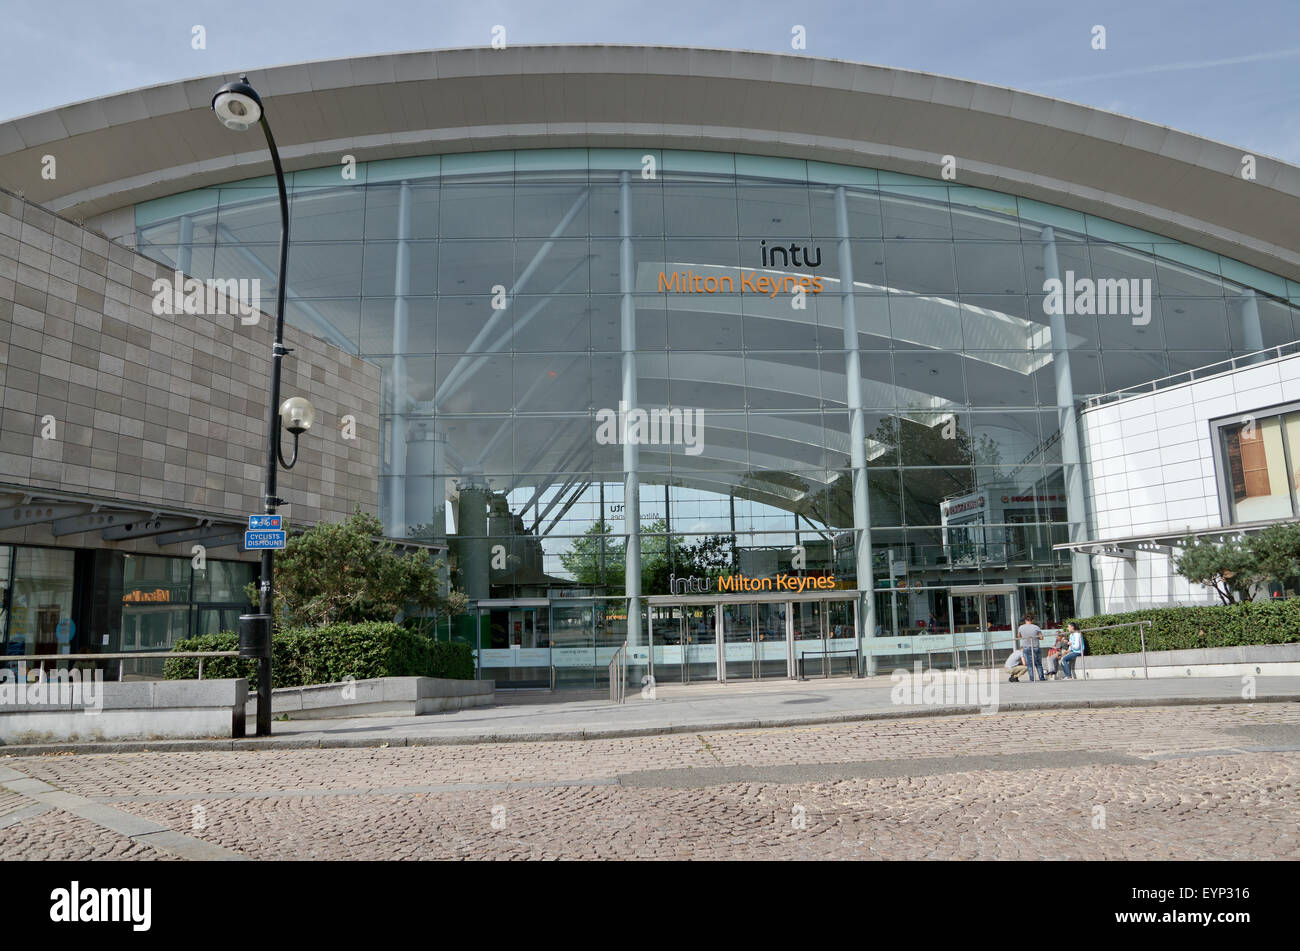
(345, 572)
(706, 556)
(596, 557)
(1229, 567)
(937, 442)
(1277, 551)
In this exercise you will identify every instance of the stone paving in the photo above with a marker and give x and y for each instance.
(1195, 782)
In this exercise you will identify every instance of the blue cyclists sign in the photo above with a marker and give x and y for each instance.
(260, 541)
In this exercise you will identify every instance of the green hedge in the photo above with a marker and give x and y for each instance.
(1183, 628)
(320, 655)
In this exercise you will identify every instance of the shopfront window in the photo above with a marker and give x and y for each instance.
(155, 602)
(6, 553)
(1258, 459)
(40, 601)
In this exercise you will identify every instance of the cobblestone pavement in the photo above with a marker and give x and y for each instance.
(1218, 782)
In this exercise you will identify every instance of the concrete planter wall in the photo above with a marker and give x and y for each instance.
(135, 710)
(1266, 660)
(382, 696)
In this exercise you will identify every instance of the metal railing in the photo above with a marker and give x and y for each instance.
(1197, 373)
(120, 658)
(1140, 625)
(825, 656)
(618, 675)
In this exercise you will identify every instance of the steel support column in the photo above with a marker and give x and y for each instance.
(631, 475)
(865, 618)
(395, 518)
(1076, 500)
(1252, 335)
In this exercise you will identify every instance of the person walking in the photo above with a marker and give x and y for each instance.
(1076, 651)
(1031, 639)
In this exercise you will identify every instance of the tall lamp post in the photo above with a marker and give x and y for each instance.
(238, 107)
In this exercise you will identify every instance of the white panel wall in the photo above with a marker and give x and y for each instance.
(1150, 466)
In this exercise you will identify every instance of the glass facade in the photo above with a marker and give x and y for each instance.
(83, 601)
(711, 364)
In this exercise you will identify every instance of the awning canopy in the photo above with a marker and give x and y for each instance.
(113, 520)
(1165, 543)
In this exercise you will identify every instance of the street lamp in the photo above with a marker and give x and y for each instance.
(239, 107)
(296, 415)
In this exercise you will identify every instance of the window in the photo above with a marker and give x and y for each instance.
(1258, 463)
(40, 600)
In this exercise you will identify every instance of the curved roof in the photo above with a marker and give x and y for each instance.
(148, 143)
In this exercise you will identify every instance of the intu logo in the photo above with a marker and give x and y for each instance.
(789, 257)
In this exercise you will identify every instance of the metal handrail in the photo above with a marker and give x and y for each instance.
(120, 657)
(618, 680)
(1146, 674)
(823, 654)
(1196, 373)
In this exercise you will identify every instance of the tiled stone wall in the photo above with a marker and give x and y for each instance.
(162, 410)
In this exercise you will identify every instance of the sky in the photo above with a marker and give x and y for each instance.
(1224, 70)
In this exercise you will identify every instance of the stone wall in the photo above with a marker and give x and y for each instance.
(157, 410)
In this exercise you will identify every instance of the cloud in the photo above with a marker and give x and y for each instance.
(1169, 68)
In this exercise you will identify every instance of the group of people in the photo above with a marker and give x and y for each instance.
(1028, 658)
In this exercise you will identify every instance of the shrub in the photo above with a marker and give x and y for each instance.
(318, 655)
(346, 573)
(215, 668)
(1183, 628)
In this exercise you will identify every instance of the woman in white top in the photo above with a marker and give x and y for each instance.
(1076, 650)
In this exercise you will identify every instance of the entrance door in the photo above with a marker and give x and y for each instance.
(753, 644)
(699, 642)
(810, 648)
(981, 623)
(667, 635)
(740, 642)
(842, 638)
(771, 649)
(825, 638)
(519, 644)
(573, 646)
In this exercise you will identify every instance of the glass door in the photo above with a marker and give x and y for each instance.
(810, 637)
(668, 634)
(983, 623)
(842, 638)
(573, 647)
(772, 646)
(739, 642)
(519, 653)
(700, 644)
(825, 638)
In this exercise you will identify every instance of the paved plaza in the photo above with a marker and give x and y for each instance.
(1209, 781)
